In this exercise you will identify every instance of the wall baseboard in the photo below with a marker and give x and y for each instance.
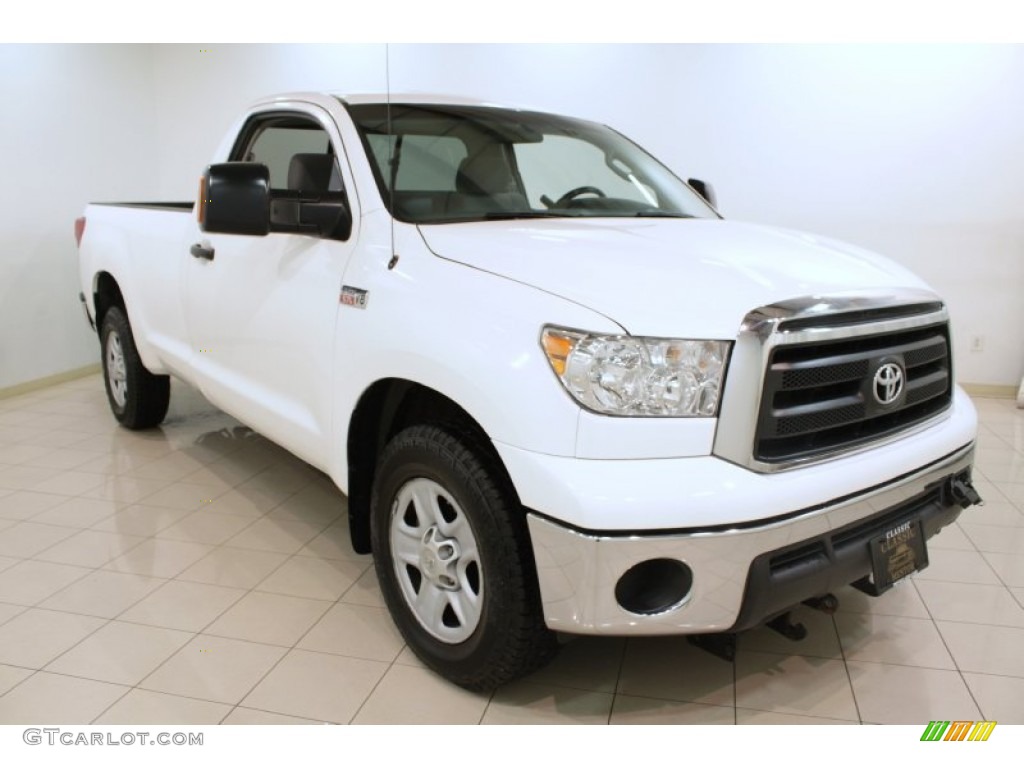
(49, 381)
(990, 390)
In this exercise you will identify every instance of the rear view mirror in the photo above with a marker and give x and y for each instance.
(705, 190)
(234, 199)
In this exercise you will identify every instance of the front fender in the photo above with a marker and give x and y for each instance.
(469, 335)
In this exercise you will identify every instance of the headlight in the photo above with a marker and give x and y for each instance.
(636, 376)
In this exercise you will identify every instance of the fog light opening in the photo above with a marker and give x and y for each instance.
(654, 586)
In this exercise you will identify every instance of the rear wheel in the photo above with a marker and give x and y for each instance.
(138, 399)
(453, 559)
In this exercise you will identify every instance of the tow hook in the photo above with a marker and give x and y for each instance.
(785, 626)
(827, 604)
(962, 493)
(722, 644)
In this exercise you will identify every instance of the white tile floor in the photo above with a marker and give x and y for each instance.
(199, 574)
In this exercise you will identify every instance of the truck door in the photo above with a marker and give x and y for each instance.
(261, 311)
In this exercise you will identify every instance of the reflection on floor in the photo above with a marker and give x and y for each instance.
(200, 574)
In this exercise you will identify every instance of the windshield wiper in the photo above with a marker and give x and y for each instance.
(506, 215)
(581, 214)
(661, 215)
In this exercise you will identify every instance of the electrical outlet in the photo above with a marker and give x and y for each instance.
(977, 343)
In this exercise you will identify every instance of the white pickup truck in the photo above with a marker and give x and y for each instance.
(561, 393)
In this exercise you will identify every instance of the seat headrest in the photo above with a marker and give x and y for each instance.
(310, 172)
(487, 172)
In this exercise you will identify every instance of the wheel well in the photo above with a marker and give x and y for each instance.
(106, 295)
(384, 410)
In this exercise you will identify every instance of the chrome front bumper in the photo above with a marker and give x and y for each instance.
(578, 571)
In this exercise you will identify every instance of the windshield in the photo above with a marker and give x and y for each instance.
(441, 163)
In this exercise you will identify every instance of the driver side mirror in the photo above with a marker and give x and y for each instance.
(705, 190)
(234, 199)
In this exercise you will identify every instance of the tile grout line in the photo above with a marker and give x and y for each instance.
(735, 683)
(846, 667)
(288, 558)
(108, 622)
(266, 674)
(59, 655)
(376, 685)
(283, 656)
(167, 580)
(618, 679)
(195, 635)
(1019, 599)
(949, 650)
(331, 607)
(487, 706)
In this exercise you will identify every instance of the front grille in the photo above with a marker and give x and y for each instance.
(821, 398)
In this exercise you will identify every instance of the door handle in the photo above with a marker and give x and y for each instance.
(201, 251)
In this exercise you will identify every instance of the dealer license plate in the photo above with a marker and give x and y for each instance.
(897, 553)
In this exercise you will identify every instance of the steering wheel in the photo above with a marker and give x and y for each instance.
(572, 194)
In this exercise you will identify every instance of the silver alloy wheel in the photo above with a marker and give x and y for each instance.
(116, 372)
(436, 560)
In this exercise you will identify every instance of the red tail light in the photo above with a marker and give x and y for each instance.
(79, 230)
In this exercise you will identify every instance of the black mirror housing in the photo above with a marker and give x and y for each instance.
(234, 199)
(705, 190)
(329, 215)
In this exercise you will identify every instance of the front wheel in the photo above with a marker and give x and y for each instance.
(138, 399)
(453, 559)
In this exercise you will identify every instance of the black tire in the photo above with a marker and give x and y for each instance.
(493, 566)
(137, 398)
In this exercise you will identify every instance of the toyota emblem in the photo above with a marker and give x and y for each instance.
(888, 384)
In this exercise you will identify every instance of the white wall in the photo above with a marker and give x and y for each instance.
(77, 125)
(913, 151)
(202, 90)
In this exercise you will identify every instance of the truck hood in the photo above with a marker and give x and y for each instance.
(667, 277)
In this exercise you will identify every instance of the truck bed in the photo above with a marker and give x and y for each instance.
(160, 206)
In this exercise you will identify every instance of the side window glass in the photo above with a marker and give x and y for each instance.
(304, 171)
(298, 153)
